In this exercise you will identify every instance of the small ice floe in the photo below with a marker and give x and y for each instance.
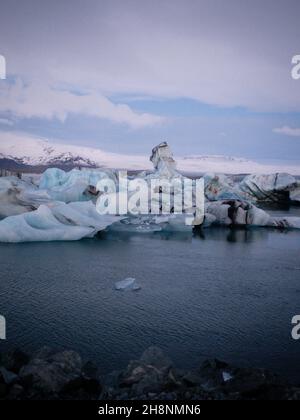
(127, 284)
(226, 376)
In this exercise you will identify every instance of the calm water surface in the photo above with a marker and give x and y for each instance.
(224, 294)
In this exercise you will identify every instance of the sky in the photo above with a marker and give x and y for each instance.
(208, 76)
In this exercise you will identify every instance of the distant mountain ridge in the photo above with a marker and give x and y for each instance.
(33, 154)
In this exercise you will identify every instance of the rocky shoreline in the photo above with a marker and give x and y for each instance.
(50, 375)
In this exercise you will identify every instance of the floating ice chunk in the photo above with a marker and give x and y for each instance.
(138, 224)
(127, 284)
(226, 376)
(151, 224)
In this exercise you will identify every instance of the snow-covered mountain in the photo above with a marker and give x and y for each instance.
(41, 153)
(38, 152)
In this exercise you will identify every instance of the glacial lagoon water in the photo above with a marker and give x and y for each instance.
(225, 294)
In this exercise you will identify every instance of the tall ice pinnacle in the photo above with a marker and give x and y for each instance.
(162, 159)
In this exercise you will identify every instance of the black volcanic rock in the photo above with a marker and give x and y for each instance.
(54, 376)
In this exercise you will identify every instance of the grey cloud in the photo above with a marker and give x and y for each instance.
(228, 53)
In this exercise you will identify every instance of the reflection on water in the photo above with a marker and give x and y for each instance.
(219, 292)
(236, 234)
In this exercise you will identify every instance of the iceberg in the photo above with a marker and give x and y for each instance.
(52, 178)
(295, 195)
(242, 213)
(157, 210)
(18, 196)
(163, 162)
(268, 188)
(76, 185)
(62, 206)
(278, 187)
(220, 187)
(60, 222)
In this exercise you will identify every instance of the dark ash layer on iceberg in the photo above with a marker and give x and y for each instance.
(18, 196)
(275, 188)
(242, 213)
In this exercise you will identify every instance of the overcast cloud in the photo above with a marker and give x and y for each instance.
(74, 57)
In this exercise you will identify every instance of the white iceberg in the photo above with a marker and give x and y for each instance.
(61, 222)
(162, 195)
(62, 206)
(76, 185)
(163, 162)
